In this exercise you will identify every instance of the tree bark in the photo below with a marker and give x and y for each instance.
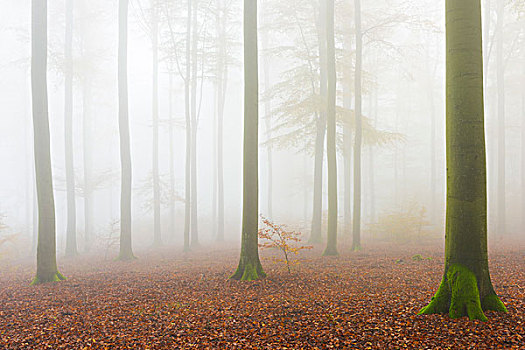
(46, 270)
(172, 156)
(187, 177)
(194, 63)
(71, 230)
(466, 289)
(500, 80)
(317, 211)
(250, 267)
(157, 238)
(221, 100)
(331, 148)
(356, 224)
(347, 141)
(88, 163)
(126, 251)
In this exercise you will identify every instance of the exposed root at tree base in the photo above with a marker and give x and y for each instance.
(330, 251)
(249, 272)
(458, 295)
(56, 277)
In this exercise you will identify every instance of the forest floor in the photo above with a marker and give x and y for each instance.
(365, 300)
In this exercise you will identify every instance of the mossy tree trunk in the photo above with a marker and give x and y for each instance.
(356, 222)
(126, 251)
(71, 230)
(317, 211)
(46, 270)
(331, 246)
(250, 267)
(466, 289)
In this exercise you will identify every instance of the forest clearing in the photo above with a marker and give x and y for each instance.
(166, 300)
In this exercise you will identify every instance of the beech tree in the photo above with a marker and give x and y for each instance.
(356, 222)
(331, 151)
(466, 288)
(71, 230)
(250, 267)
(46, 268)
(126, 251)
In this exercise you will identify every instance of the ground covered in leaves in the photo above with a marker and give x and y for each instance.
(166, 299)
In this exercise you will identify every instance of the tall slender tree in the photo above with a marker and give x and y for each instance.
(157, 237)
(194, 124)
(268, 121)
(250, 267)
(46, 269)
(187, 176)
(500, 81)
(331, 148)
(71, 230)
(126, 250)
(317, 213)
(466, 288)
(356, 222)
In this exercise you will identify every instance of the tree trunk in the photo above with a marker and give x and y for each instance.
(331, 148)
(500, 80)
(88, 163)
(356, 224)
(268, 125)
(317, 211)
(172, 156)
(46, 270)
(187, 177)
(466, 289)
(126, 251)
(157, 238)
(371, 169)
(221, 100)
(347, 141)
(523, 150)
(250, 267)
(71, 230)
(194, 63)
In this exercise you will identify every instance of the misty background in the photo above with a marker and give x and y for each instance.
(403, 101)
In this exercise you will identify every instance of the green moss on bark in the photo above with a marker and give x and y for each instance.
(458, 295)
(493, 303)
(55, 277)
(249, 272)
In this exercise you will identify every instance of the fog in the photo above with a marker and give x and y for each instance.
(403, 106)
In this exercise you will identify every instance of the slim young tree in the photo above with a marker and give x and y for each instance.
(317, 214)
(157, 238)
(331, 151)
(187, 171)
(466, 289)
(71, 230)
(194, 229)
(500, 81)
(46, 268)
(126, 251)
(356, 223)
(250, 267)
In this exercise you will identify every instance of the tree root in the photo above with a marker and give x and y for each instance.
(55, 277)
(458, 295)
(248, 272)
